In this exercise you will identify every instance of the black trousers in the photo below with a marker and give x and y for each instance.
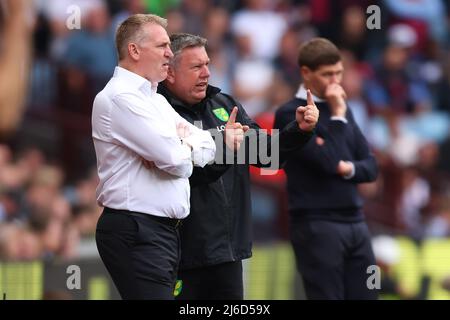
(332, 258)
(218, 282)
(141, 253)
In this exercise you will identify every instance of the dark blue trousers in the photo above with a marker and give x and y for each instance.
(141, 253)
(333, 258)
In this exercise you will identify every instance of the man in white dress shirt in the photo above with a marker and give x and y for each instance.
(132, 126)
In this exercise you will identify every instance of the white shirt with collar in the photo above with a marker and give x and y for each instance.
(302, 94)
(131, 122)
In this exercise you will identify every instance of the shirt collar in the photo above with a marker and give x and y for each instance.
(136, 80)
(301, 94)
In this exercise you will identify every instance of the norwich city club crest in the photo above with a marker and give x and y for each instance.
(178, 288)
(222, 114)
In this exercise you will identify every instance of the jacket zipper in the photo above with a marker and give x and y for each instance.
(230, 248)
(224, 191)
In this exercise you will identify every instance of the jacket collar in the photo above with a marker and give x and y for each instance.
(211, 91)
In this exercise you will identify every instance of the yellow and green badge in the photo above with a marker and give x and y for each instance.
(178, 287)
(222, 114)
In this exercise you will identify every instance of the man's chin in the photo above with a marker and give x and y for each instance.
(162, 77)
(201, 96)
(197, 98)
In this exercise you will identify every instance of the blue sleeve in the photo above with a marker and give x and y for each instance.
(366, 169)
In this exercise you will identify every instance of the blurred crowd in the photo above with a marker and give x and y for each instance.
(397, 80)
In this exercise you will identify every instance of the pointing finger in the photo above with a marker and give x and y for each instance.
(232, 118)
(309, 98)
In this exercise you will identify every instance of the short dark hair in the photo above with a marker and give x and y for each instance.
(180, 41)
(318, 52)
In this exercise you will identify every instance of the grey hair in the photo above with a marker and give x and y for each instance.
(181, 41)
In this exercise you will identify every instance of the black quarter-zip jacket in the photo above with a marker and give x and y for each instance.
(218, 228)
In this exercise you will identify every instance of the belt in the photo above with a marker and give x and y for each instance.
(174, 223)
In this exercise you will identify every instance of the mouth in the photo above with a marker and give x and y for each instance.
(202, 85)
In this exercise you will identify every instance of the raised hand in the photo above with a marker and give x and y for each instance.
(336, 96)
(307, 116)
(234, 131)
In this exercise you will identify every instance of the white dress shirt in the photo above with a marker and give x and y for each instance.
(131, 122)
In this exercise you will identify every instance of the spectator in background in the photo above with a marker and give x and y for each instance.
(254, 17)
(286, 61)
(129, 7)
(388, 253)
(220, 48)
(43, 74)
(176, 21)
(91, 49)
(352, 82)
(437, 224)
(353, 32)
(396, 86)
(194, 13)
(15, 42)
(19, 243)
(252, 78)
(329, 234)
(430, 12)
(414, 198)
(55, 11)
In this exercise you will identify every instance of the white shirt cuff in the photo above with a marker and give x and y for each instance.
(339, 118)
(352, 172)
(202, 151)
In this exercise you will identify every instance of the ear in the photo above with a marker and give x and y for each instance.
(305, 73)
(133, 51)
(170, 75)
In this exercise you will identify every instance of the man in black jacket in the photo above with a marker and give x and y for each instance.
(216, 236)
(329, 235)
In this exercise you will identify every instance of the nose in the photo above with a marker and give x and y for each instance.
(205, 72)
(168, 52)
(334, 79)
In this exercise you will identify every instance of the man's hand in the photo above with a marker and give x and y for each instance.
(344, 168)
(336, 96)
(308, 116)
(183, 130)
(234, 131)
